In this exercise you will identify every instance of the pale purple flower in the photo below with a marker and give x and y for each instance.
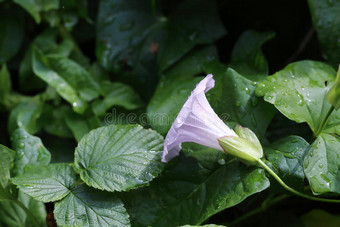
(196, 122)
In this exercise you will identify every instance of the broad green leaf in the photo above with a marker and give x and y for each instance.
(247, 57)
(31, 152)
(208, 225)
(11, 214)
(48, 183)
(326, 21)
(11, 33)
(75, 75)
(6, 158)
(85, 206)
(286, 155)
(35, 7)
(197, 185)
(299, 91)
(5, 83)
(25, 115)
(322, 164)
(116, 94)
(119, 157)
(234, 99)
(131, 31)
(175, 87)
(42, 69)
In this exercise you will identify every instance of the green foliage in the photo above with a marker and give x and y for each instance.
(119, 158)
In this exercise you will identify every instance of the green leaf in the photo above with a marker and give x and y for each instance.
(116, 94)
(208, 225)
(247, 57)
(5, 83)
(11, 33)
(286, 155)
(322, 164)
(175, 87)
(234, 99)
(85, 206)
(81, 124)
(75, 75)
(326, 21)
(6, 158)
(201, 183)
(119, 157)
(53, 120)
(35, 7)
(31, 152)
(333, 96)
(25, 115)
(132, 32)
(47, 184)
(299, 91)
(42, 69)
(11, 214)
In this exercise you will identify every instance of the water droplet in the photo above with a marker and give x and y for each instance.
(247, 90)
(234, 85)
(75, 104)
(294, 141)
(305, 164)
(193, 36)
(320, 165)
(221, 161)
(285, 80)
(325, 178)
(271, 78)
(262, 85)
(311, 154)
(21, 145)
(269, 97)
(238, 104)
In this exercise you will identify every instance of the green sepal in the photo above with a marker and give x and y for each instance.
(333, 96)
(241, 148)
(249, 135)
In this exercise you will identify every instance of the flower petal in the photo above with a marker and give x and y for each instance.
(196, 122)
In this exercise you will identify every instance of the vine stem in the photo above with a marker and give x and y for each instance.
(283, 184)
(324, 121)
(66, 35)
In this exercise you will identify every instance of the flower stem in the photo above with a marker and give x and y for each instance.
(283, 184)
(324, 121)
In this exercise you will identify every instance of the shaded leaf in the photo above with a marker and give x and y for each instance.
(85, 206)
(317, 217)
(6, 158)
(46, 184)
(35, 7)
(326, 21)
(5, 83)
(119, 157)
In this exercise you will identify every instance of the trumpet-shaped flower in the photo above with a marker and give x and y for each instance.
(196, 122)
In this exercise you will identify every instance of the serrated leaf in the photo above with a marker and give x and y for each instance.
(247, 57)
(43, 71)
(322, 164)
(326, 21)
(46, 184)
(201, 183)
(175, 87)
(286, 155)
(116, 94)
(25, 115)
(85, 206)
(11, 214)
(119, 157)
(6, 158)
(31, 152)
(299, 91)
(35, 7)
